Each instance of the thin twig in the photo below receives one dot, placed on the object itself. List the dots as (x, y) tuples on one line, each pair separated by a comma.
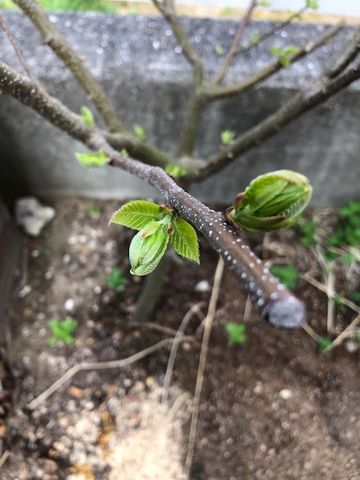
[(341, 337), (174, 348), (229, 57), (310, 331), (124, 362), (308, 98), (17, 49), (4, 457), (219, 92), (73, 61), (347, 56), (345, 301), (168, 11), (202, 363), (272, 31)]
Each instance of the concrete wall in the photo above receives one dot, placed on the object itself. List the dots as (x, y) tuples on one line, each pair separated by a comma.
[(144, 72)]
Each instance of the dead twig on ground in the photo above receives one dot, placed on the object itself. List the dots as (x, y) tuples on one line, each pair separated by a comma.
[(202, 363), (124, 362), (174, 348)]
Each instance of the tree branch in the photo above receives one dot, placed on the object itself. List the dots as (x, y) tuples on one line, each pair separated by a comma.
[(229, 57), (274, 302), (73, 61), (168, 11), (347, 56), (220, 92), (320, 91), (272, 31)]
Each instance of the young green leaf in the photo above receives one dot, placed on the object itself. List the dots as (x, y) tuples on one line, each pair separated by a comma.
[(307, 233), (324, 344), (219, 49), (236, 333), (175, 171), (285, 54), (137, 214), (116, 280), (87, 116), (184, 240), (254, 38), (271, 201), (146, 253), (312, 4), (140, 132), (62, 331), (97, 159), (288, 275), (124, 153), (227, 137)]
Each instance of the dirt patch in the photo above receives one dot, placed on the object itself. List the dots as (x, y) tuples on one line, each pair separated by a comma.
[(273, 408)]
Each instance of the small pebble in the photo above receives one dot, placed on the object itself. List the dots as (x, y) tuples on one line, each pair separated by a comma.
[(285, 394), (203, 286), (69, 305)]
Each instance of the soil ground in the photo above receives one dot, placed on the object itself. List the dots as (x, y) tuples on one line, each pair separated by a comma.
[(272, 408)]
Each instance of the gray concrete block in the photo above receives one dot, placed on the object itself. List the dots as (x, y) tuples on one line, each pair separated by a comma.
[(142, 69)]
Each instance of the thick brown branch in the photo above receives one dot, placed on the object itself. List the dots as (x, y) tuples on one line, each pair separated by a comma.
[(137, 149), (219, 92), (314, 95), (347, 56), (274, 302), (229, 57), (192, 120), (168, 11), (73, 61)]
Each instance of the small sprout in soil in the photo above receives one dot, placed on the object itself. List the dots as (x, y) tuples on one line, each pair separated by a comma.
[(236, 333), (94, 210), (356, 297), (288, 275), (324, 344), (116, 280), (62, 331), (307, 233), (46, 252), (347, 231)]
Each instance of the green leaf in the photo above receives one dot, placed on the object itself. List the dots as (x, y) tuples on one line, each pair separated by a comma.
[(146, 252), (227, 137), (288, 275), (285, 54), (356, 297), (87, 116), (140, 132), (254, 38), (312, 4), (264, 3), (324, 344), (62, 331), (116, 279), (219, 49), (97, 159), (307, 233), (236, 333), (137, 214), (124, 153), (176, 171), (184, 240)]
